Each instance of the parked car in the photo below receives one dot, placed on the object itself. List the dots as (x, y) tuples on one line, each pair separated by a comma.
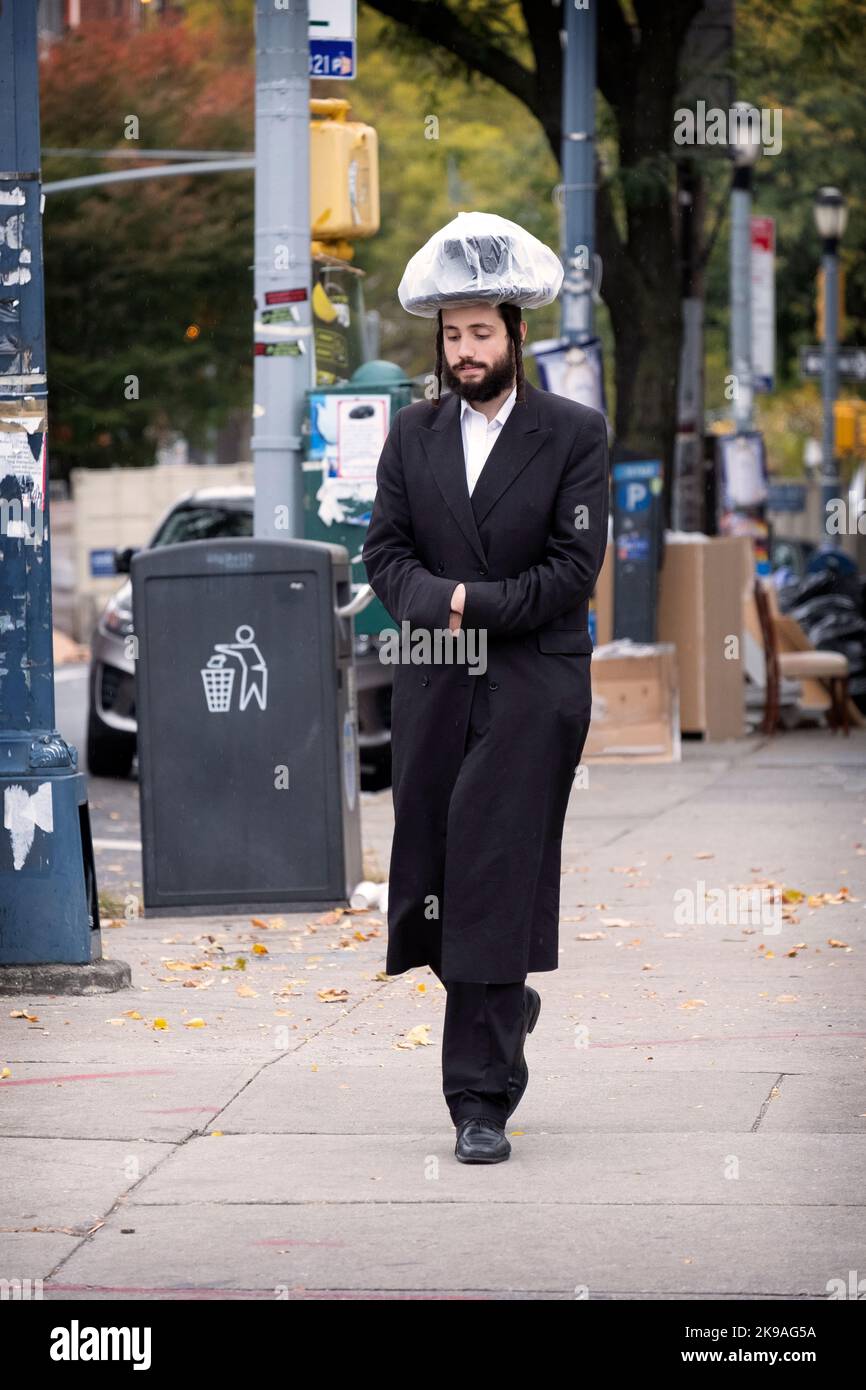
[(111, 724)]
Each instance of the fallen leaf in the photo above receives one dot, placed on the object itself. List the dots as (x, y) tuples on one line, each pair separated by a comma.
[(332, 996), (259, 949), (693, 1004), (195, 1023), (22, 1013), (188, 965), (246, 992), (416, 1037), (160, 1023)]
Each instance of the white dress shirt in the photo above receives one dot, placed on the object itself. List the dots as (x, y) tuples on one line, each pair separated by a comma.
[(480, 434)]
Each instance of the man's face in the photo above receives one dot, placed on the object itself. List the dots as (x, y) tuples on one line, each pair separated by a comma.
[(479, 360)]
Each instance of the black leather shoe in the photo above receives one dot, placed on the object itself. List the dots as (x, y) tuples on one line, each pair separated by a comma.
[(481, 1141), (519, 1077)]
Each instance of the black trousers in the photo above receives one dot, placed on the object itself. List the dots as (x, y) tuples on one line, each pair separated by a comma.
[(483, 1022)]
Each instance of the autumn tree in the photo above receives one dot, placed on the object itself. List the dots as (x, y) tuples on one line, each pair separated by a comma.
[(148, 285)]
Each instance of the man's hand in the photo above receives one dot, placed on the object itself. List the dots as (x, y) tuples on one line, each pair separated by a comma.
[(458, 598)]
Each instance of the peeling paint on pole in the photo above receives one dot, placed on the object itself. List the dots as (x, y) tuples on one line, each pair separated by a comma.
[(48, 899)]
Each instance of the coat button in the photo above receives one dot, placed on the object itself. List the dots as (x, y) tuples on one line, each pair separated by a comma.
[(425, 680), (493, 686), (440, 567), (483, 571)]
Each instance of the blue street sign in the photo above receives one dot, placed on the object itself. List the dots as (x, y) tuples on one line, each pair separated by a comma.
[(333, 26), (786, 497), (102, 563), (332, 58)]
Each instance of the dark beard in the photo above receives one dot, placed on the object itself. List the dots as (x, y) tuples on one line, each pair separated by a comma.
[(495, 380)]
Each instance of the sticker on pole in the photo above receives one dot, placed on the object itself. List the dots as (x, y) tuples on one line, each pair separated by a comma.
[(349, 781), (219, 676)]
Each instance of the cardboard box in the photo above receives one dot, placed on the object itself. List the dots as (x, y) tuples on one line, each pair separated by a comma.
[(635, 704), (701, 591), (602, 598)]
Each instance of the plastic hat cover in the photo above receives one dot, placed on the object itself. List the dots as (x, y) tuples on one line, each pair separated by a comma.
[(480, 256)]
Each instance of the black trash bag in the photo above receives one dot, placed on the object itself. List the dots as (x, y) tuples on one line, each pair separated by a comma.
[(815, 610), (809, 587)]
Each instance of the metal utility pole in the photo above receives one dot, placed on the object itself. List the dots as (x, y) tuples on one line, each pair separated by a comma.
[(578, 170), (745, 148), (283, 333), (49, 921), (829, 377), (831, 219), (686, 495)]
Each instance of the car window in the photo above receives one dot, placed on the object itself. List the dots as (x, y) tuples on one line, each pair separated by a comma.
[(203, 523)]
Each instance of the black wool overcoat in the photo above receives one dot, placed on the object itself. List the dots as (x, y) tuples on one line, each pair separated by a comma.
[(475, 861)]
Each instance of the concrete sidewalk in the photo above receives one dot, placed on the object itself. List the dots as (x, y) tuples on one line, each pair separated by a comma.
[(693, 1126)]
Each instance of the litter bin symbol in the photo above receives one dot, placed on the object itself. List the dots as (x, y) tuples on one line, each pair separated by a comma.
[(219, 679), (218, 682)]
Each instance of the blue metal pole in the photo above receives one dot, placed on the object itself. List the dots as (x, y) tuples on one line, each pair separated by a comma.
[(48, 912)]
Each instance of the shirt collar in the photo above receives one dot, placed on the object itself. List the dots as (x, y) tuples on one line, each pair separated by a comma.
[(502, 413)]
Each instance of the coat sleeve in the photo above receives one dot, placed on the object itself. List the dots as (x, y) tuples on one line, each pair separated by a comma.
[(396, 575), (575, 548)]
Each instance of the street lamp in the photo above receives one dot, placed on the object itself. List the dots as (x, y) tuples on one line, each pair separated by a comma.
[(744, 147), (831, 219)]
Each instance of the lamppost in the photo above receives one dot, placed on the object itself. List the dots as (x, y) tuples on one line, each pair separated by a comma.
[(744, 147), (831, 219)]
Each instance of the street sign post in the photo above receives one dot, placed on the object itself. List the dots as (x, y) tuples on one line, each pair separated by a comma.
[(763, 233)]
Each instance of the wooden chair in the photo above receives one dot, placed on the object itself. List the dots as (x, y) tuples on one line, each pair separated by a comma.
[(831, 667)]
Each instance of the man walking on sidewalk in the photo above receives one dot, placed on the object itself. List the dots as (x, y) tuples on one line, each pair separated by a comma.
[(491, 517)]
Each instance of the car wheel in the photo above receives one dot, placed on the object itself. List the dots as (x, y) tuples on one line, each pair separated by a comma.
[(108, 754)]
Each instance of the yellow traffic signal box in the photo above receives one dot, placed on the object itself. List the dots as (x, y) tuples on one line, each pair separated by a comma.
[(344, 178)]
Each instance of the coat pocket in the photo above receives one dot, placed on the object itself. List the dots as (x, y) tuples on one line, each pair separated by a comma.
[(565, 639)]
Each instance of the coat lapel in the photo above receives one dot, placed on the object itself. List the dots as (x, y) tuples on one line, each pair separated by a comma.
[(519, 439)]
